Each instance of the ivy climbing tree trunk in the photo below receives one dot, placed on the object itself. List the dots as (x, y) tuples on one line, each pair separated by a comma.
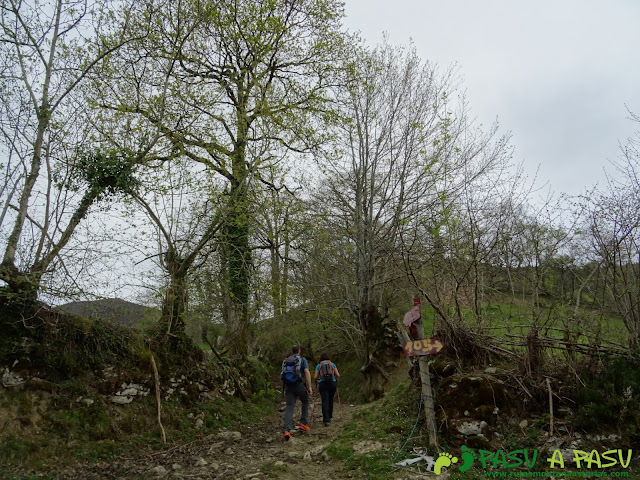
[(175, 298), (239, 258)]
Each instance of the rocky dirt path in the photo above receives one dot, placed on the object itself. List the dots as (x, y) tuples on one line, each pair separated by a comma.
[(257, 453)]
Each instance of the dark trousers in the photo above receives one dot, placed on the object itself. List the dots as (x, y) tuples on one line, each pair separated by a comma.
[(292, 393), (327, 391)]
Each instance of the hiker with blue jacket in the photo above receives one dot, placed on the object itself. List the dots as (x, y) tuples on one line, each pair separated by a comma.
[(326, 376), (296, 380)]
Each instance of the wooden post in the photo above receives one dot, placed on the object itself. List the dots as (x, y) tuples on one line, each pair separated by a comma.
[(550, 408), (157, 381), (427, 392), (425, 377)]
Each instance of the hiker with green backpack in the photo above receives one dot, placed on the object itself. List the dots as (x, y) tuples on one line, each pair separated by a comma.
[(296, 383), (326, 376)]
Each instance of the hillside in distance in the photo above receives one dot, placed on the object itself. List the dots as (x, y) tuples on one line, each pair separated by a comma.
[(113, 309)]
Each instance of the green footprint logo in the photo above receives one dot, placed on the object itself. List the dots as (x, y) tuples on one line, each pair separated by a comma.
[(444, 460), (468, 456)]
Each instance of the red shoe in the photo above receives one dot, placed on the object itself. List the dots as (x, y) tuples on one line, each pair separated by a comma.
[(287, 436), (304, 427)]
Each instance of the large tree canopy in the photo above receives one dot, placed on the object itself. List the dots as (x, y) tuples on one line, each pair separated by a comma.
[(226, 83)]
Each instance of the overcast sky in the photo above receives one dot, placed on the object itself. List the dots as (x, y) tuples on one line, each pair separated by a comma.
[(558, 74)]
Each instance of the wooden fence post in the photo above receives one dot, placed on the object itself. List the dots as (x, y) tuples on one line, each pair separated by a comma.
[(425, 380), (427, 392)]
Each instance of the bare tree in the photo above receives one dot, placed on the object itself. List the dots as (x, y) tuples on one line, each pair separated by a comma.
[(279, 225), (615, 230), (47, 51), (404, 149)]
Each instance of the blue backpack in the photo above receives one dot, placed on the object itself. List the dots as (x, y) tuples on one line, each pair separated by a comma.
[(290, 374)]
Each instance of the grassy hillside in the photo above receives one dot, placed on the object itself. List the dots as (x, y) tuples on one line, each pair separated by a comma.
[(113, 309)]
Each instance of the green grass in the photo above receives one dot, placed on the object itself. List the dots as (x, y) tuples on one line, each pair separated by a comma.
[(384, 421), (500, 318), (350, 380), (272, 468), (73, 432), (611, 399), (51, 429)]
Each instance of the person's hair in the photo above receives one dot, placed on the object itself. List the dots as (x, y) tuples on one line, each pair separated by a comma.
[(324, 356), (295, 349)]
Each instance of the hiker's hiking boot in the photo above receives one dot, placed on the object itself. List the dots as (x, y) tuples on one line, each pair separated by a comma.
[(304, 427), (287, 436)]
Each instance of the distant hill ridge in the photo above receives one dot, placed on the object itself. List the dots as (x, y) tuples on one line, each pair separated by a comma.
[(113, 309)]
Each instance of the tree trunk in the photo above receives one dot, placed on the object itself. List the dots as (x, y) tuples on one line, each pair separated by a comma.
[(376, 345), (43, 122), (375, 378), (22, 288), (284, 281), (41, 265), (175, 299), (239, 254), (44, 117), (275, 276)]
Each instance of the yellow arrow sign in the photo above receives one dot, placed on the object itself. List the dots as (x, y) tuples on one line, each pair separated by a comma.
[(428, 346)]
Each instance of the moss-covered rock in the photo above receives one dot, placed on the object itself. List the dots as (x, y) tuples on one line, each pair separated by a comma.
[(468, 405)]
